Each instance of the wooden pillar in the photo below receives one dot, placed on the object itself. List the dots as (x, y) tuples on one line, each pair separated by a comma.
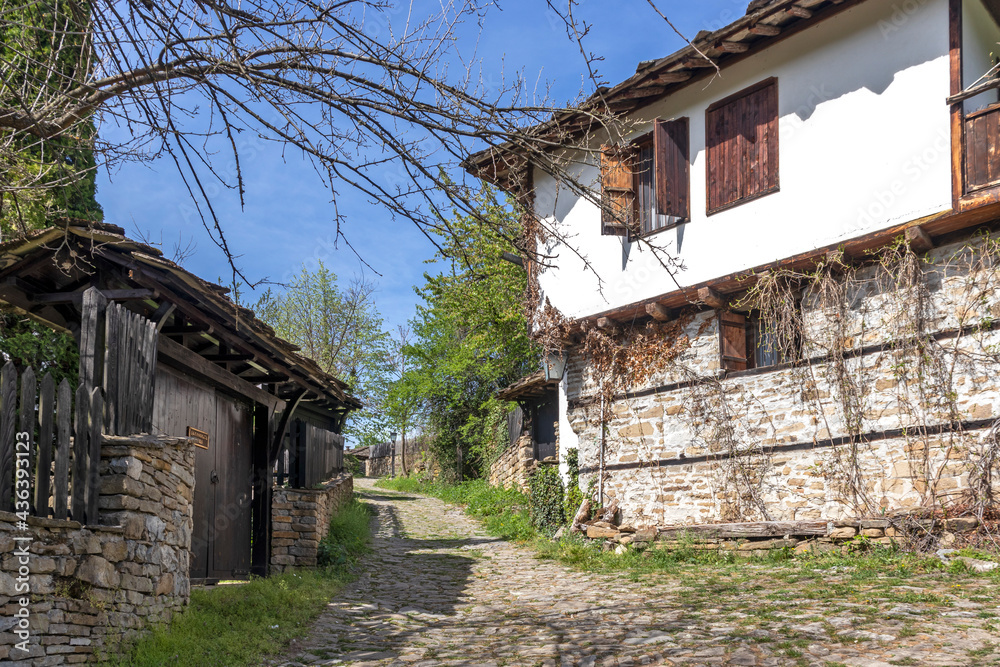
[(260, 552), (92, 324)]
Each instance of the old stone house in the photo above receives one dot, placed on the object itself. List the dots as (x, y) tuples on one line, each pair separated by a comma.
[(778, 298)]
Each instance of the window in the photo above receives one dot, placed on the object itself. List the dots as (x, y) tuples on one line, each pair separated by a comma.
[(742, 145), (645, 185), (746, 343)]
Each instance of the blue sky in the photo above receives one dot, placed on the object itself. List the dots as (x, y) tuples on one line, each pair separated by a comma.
[(287, 219)]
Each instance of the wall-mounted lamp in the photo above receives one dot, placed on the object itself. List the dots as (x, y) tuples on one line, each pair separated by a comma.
[(554, 365)]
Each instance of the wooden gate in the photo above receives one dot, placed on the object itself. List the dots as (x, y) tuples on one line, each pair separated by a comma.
[(220, 539)]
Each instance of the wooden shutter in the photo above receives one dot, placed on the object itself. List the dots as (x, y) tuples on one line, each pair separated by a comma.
[(742, 146), (617, 192), (733, 340), (673, 173)]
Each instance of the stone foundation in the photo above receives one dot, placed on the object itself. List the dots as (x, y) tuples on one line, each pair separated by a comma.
[(696, 444), (515, 465), (93, 586), (300, 519)]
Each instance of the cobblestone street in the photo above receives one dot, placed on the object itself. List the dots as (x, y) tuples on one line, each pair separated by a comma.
[(440, 591)]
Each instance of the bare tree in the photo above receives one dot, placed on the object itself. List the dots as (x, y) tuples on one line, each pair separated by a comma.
[(384, 111)]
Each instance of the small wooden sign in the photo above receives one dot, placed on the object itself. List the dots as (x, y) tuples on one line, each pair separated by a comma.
[(200, 437)]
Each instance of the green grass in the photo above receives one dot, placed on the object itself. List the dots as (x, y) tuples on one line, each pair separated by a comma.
[(240, 624)]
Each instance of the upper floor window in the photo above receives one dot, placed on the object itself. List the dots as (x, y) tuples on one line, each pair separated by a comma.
[(742, 146), (645, 185)]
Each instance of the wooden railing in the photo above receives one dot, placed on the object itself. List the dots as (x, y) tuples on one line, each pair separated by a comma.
[(50, 447), (982, 148)]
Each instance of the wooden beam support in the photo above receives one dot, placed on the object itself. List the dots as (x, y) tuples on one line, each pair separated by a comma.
[(109, 294), (265, 379), (229, 358), (174, 354), (711, 298), (182, 329), (919, 240), (657, 312), (764, 30), (732, 47), (606, 323), (666, 78)]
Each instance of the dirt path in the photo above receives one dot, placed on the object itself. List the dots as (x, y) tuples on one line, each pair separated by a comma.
[(440, 591)]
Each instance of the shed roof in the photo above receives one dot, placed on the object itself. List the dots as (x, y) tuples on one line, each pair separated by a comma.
[(532, 386), (47, 270)]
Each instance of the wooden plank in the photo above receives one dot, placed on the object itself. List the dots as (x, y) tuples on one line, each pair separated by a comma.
[(92, 341), (748, 530), (733, 341), (992, 125), (149, 383), (28, 419), (111, 295), (174, 353), (112, 368), (8, 415), (60, 491), (81, 452), (43, 471), (96, 401)]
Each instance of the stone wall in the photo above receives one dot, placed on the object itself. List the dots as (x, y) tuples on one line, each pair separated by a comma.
[(696, 444), (381, 467), (92, 586), (515, 465), (300, 519)]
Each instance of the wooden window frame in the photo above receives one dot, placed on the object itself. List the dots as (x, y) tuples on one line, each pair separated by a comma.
[(773, 163), (749, 343)]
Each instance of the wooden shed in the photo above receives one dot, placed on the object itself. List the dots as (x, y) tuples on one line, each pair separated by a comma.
[(175, 355)]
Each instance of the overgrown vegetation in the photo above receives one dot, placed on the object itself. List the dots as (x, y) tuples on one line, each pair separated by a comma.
[(240, 624), (574, 496), (545, 496), (470, 340)]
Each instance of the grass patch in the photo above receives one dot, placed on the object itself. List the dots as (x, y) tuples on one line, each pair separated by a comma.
[(241, 624)]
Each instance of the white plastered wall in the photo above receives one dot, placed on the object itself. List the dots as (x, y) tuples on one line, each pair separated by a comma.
[(864, 144)]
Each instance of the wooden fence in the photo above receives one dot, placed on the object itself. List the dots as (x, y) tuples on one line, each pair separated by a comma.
[(309, 456), (130, 371), (50, 447)]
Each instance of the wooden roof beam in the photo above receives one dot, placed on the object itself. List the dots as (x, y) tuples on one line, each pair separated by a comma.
[(919, 240), (711, 298), (658, 312)]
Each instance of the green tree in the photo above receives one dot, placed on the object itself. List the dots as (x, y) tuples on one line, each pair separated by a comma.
[(471, 337), (44, 50), (341, 330)]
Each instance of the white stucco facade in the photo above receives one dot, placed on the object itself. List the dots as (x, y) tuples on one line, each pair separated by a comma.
[(864, 143)]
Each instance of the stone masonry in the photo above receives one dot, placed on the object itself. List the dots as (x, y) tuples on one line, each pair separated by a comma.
[(92, 586), (300, 519), (670, 445), (513, 467)]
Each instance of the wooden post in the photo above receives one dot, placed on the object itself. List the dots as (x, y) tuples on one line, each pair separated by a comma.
[(60, 489), (46, 410), (29, 397), (8, 412), (92, 325)]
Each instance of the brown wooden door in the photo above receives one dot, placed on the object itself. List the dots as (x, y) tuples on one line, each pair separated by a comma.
[(220, 538), (230, 548)]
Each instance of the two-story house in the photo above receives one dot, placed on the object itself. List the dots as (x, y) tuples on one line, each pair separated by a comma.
[(780, 301)]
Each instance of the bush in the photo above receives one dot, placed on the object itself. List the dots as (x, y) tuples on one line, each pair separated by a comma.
[(574, 496), (546, 498), (348, 538)]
